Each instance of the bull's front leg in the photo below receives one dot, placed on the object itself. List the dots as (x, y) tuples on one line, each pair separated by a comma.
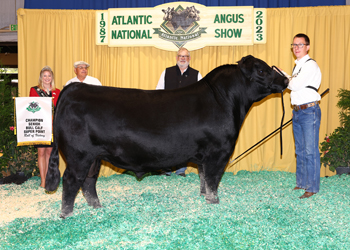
[(212, 176), (89, 185), (212, 195), (207, 188)]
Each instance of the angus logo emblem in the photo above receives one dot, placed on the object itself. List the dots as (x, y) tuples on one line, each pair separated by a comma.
[(33, 107), (180, 25)]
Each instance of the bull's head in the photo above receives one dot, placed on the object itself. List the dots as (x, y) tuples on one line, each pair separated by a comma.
[(258, 71)]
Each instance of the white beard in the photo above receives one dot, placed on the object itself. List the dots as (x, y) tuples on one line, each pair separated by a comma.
[(182, 65)]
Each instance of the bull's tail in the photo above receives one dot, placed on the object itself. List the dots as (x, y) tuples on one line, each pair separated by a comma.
[(53, 173)]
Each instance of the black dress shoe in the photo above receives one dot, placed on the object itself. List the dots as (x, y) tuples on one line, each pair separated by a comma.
[(182, 174), (307, 195)]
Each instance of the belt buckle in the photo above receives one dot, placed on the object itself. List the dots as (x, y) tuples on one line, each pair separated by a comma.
[(311, 104), (296, 108)]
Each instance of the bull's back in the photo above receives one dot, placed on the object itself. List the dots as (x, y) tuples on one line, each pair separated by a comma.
[(134, 107)]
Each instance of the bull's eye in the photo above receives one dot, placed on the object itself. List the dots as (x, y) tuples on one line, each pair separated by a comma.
[(260, 72)]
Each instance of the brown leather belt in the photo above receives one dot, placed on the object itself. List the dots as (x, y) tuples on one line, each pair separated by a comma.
[(304, 106)]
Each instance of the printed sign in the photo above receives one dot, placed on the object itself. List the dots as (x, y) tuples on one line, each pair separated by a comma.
[(33, 120), (260, 26), (174, 25)]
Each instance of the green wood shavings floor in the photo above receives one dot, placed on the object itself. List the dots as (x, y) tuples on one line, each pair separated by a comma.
[(257, 210)]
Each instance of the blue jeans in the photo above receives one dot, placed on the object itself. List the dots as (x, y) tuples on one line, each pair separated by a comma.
[(306, 127), (179, 171)]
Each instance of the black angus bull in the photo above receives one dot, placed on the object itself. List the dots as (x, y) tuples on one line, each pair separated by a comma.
[(147, 130)]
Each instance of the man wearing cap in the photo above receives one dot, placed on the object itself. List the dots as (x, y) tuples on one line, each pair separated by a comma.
[(81, 70)]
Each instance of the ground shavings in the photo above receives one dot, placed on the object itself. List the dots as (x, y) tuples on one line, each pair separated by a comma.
[(257, 210)]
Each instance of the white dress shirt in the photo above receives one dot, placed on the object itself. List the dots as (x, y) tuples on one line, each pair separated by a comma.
[(88, 80), (305, 73)]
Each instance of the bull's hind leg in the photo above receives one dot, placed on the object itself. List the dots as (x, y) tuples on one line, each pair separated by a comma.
[(70, 189), (89, 185), (202, 181), (73, 179)]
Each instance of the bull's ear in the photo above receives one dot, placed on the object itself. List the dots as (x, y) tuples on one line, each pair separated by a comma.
[(246, 65)]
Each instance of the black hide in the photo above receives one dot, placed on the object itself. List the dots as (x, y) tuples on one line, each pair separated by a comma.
[(147, 130)]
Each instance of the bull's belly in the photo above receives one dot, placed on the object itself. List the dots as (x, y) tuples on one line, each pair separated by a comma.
[(145, 164)]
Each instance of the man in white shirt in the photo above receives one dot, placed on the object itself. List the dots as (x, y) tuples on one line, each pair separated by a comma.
[(81, 70), (304, 83)]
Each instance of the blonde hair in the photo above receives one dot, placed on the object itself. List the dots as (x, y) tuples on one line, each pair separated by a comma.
[(40, 81)]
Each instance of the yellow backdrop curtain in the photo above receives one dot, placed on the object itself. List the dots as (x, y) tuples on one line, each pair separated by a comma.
[(58, 38)]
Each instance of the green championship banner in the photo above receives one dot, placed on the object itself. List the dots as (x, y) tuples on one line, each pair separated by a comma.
[(174, 25)]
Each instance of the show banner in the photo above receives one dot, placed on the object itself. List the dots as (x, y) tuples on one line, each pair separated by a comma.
[(33, 120), (174, 25)]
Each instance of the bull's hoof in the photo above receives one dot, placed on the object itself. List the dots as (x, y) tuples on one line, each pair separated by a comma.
[(66, 211), (202, 194), (64, 215), (50, 190), (212, 200), (97, 205)]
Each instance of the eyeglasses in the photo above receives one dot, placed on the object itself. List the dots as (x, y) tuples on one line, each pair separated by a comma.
[(300, 45), (180, 56), (81, 67)]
